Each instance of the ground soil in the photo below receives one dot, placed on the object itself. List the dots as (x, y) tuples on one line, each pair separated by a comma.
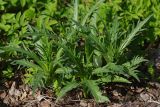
[(121, 95)]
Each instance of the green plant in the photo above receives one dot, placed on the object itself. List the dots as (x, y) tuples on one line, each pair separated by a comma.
[(85, 51), (86, 60), (41, 63), (8, 73)]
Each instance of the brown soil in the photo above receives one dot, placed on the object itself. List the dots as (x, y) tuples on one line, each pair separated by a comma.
[(14, 95)]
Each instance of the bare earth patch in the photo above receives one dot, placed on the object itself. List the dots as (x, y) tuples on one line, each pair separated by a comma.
[(12, 95)]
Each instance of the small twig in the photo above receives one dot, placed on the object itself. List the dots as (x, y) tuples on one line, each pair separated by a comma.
[(49, 97), (38, 100), (75, 100), (151, 101)]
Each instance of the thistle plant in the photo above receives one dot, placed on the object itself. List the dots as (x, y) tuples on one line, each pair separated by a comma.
[(86, 65), (40, 61), (83, 56)]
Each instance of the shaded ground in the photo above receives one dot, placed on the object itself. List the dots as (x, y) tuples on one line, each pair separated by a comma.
[(148, 95)]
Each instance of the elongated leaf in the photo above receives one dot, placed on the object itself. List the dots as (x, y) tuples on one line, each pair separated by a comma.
[(101, 70), (29, 53), (130, 37), (22, 19), (4, 27), (7, 16), (134, 73), (59, 54), (110, 68), (114, 67), (64, 70), (120, 79), (108, 79), (96, 40), (70, 54), (68, 87), (27, 64), (93, 88), (23, 2), (37, 80), (91, 11), (75, 18), (134, 62)]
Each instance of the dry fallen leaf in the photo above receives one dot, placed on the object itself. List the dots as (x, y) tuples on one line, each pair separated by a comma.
[(44, 103), (24, 94), (6, 100), (3, 95), (12, 89), (17, 93), (83, 103), (139, 90), (145, 97), (116, 105), (115, 93), (12, 99)]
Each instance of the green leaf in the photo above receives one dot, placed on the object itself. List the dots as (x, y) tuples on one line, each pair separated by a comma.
[(29, 53), (68, 87), (120, 79), (134, 73), (93, 88), (75, 18), (59, 54), (63, 70), (133, 33), (8, 16), (36, 80), (115, 68), (5, 27), (117, 79), (27, 64), (8, 73), (23, 2), (22, 20), (18, 16), (30, 13), (91, 11), (97, 42), (97, 60), (53, 22), (51, 8), (70, 54), (3, 2), (151, 71), (101, 70), (40, 21), (134, 63), (14, 2)]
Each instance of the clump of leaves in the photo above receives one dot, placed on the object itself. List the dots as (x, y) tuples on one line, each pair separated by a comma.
[(40, 62), (83, 57), (86, 63)]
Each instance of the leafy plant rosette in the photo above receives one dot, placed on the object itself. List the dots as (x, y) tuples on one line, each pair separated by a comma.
[(96, 59), (85, 57)]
